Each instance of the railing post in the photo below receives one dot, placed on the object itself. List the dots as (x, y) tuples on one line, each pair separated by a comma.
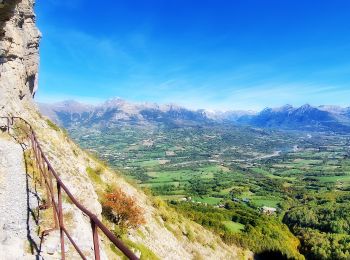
[(95, 239), (44, 173), (47, 187), (53, 203), (32, 153), (39, 165), (60, 219)]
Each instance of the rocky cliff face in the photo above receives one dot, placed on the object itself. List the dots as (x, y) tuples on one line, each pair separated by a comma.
[(19, 55)]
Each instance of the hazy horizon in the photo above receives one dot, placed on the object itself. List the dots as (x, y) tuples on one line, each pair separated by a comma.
[(101, 102)]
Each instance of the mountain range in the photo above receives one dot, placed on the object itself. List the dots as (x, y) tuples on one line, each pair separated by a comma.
[(306, 117), (118, 111)]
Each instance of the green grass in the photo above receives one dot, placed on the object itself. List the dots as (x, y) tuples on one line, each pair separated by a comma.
[(292, 172), (260, 201), (118, 252), (146, 253), (184, 175), (209, 200), (260, 171), (94, 175), (269, 202), (344, 178), (305, 162), (271, 175), (52, 125), (225, 191), (234, 227), (149, 163), (170, 176), (172, 197)]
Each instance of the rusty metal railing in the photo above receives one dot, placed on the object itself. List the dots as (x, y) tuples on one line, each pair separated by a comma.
[(50, 176)]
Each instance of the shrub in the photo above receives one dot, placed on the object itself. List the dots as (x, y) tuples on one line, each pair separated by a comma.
[(122, 209)]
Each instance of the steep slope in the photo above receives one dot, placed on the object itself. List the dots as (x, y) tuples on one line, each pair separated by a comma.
[(165, 234)]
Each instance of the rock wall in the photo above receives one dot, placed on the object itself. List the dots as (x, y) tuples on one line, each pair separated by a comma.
[(19, 55)]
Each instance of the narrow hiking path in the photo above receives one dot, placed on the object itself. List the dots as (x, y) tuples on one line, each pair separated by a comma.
[(14, 217)]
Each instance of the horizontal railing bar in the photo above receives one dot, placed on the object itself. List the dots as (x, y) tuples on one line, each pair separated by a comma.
[(73, 243)]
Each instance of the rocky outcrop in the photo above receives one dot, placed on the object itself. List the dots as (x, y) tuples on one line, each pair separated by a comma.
[(19, 55)]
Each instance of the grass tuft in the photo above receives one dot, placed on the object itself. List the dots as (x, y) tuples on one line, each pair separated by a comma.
[(52, 125)]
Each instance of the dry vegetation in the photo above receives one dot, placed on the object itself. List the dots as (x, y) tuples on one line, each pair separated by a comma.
[(122, 210)]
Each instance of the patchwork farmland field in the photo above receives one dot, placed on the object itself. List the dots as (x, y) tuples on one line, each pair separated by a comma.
[(222, 177)]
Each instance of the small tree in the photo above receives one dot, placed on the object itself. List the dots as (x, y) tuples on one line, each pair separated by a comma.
[(122, 209)]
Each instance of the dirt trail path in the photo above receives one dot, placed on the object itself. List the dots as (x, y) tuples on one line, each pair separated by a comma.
[(13, 201)]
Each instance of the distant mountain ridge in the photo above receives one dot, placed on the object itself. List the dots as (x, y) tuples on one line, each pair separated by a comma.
[(306, 117), (118, 111)]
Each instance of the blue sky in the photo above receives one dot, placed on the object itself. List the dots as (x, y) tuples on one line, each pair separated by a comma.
[(218, 54)]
